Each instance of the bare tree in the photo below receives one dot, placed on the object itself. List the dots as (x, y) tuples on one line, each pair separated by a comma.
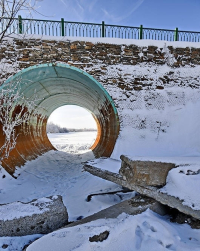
[(15, 109), (54, 128), (9, 9)]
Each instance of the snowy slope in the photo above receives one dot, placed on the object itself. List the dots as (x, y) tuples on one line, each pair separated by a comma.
[(144, 232)]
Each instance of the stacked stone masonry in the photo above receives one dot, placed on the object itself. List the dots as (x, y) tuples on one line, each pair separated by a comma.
[(85, 55)]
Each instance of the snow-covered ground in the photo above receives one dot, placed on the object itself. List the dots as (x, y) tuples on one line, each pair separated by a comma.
[(61, 173), (73, 141), (145, 232)]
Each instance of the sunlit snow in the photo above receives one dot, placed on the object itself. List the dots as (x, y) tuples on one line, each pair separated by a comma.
[(59, 172)]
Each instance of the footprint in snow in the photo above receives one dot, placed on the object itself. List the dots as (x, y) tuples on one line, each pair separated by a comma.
[(139, 237), (147, 225)]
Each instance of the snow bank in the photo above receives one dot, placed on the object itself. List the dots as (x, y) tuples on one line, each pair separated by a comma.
[(184, 183), (146, 231), (143, 42)]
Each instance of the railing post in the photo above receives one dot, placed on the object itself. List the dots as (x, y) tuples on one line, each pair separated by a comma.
[(176, 35), (103, 29), (62, 27), (141, 31), (19, 24)]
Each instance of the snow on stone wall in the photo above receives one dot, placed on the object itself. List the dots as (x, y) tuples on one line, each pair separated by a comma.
[(160, 119)]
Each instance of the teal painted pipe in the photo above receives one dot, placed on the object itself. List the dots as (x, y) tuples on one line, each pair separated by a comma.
[(56, 85)]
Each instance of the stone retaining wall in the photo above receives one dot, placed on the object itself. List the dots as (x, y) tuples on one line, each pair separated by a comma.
[(82, 54), (147, 84)]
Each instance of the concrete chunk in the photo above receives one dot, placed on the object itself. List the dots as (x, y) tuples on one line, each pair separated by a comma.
[(133, 206), (40, 216), (149, 191), (148, 173)]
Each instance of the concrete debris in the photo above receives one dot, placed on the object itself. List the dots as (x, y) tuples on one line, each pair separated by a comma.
[(40, 216), (150, 191), (145, 173), (133, 206)]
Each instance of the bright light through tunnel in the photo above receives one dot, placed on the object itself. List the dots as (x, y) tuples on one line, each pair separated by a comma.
[(57, 85), (72, 129)]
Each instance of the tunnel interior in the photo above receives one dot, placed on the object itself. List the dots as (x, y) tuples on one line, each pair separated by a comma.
[(56, 85)]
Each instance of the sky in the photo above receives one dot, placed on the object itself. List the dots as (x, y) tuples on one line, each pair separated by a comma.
[(165, 14), (72, 116)]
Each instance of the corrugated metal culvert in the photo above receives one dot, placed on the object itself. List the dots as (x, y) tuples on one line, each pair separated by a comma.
[(56, 85)]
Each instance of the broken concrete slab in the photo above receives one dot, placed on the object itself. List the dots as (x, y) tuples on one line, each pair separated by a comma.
[(149, 191), (145, 173), (133, 206), (39, 216)]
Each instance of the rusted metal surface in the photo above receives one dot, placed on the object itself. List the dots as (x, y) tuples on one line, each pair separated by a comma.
[(57, 85), (31, 142)]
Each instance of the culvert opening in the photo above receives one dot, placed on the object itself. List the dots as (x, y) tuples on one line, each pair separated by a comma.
[(57, 85), (72, 129)]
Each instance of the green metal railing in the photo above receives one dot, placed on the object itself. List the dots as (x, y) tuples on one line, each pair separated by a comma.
[(77, 29)]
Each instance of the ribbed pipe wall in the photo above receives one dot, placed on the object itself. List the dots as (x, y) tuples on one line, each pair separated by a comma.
[(56, 85)]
